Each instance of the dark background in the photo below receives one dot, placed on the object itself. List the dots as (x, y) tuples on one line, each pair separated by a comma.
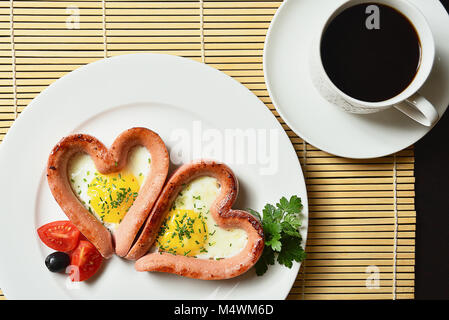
[(432, 207)]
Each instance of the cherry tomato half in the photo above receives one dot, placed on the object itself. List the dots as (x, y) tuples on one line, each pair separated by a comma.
[(59, 235), (85, 262)]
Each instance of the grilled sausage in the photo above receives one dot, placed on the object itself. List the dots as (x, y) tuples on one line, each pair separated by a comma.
[(108, 161), (223, 215)]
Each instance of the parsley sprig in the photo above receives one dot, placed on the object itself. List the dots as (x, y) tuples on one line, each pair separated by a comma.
[(281, 225)]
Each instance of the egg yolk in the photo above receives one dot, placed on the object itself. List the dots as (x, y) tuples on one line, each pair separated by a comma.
[(183, 232), (112, 195)]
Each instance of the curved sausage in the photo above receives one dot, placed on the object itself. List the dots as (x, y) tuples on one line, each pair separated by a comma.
[(108, 161), (222, 213)]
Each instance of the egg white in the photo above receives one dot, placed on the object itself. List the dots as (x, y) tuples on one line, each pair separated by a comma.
[(198, 196), (81, 170)]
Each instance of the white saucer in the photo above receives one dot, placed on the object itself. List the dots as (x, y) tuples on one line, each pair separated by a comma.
[(313, 117)]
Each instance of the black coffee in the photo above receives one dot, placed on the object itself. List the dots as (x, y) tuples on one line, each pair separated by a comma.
[(367, 63)]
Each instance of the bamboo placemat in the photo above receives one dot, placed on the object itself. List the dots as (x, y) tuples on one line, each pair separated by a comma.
[(361, 212)]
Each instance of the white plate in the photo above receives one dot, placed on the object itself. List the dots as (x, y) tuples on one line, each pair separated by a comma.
[(322, 124), (166, 94)]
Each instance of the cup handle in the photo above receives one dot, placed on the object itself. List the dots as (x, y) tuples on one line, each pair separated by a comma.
[(419, 109)]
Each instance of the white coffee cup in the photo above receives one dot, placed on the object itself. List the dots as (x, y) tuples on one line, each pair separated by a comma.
[(409, 101)]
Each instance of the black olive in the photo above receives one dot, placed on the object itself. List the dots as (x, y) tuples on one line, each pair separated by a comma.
[(57, 261)]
